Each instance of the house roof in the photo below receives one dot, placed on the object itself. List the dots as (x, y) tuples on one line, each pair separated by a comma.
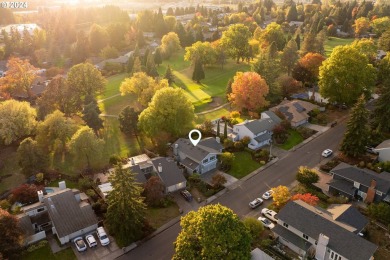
[(199, 152), (139, 174), (262, 138), (344, 186), (291, 237), (66, 214), (295, 110), (187, 162), (271, 115), (349, 215), (259, 125), (25, 224), (37, 88), (363, 176), (313, 222), (384, 145), (171, 174), (258, 254)]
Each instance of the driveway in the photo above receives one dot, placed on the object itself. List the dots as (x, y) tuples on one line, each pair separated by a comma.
[(184, 205), (317, 128), (109, 252), (208, 176)]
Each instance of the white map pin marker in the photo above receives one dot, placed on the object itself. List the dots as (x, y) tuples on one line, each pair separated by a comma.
[(195, 141)]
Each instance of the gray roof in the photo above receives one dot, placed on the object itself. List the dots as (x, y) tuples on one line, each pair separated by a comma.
[(210, 144), (385, 144), (291, 237), (258, 254), (199, 152), (273, 116), (171, 174), (25, 224), (139, 175), (363, 176), (66, 214), (344, 186), (187, 162), (349, 215), (259, 125), (312, 222), (264, 137)]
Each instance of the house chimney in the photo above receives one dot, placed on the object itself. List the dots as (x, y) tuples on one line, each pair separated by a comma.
[(371, 192), (62, 185), (373, 184), (176, 149), (218, 139), (321, 247), (132, 161), (159, 168), (40, 195)]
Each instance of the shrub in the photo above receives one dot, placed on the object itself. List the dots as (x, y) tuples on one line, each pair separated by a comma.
[(362, 164), (239, 145), (265, 243), (337, 200), (233, 121), (39, 177), (90, 193), (85, 184), (305, 132), (115, 159), (5, 204), (218, 180), (306, 176), (209, 192), (246, 140), (227, 143), (254, 227), (235, 114), (194, 178), (37, 246)]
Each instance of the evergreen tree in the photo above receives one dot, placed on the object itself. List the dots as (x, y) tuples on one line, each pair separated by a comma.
[(229, 87), (356, 136), (298, 41), (136, 51), (126, 209), (137, 67), (157, 56), (169, 75), (128, 119), (218, 129), (91, 113), (151, 66), (382, 109), (225, 130), (161, 26), (198, 73), (199, 35), (292, 14), (130, 64), (289, 56), (272, 51)]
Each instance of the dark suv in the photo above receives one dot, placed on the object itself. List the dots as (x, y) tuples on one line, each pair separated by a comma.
[(186, 194)]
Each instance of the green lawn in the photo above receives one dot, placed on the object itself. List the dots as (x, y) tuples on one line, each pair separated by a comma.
[(332, 42), (243, 165), (112, 87), (160, 216), (213, 115), (176, 62), (294, 138), (46, 253), (10, 170)]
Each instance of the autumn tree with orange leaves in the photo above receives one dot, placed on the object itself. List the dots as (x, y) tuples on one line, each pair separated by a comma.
[(19, 78), (310, 63), (249, 90), (307, 197)]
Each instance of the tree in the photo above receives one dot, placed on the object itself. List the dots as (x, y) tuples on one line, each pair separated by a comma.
[(126, 209), (381, 113), (248, 91), (218, 180), (128, 119), (31, 157), (380, 25), (166, 115), (207, 127), (98, 38), (157, 56), (151, 66), (229, 87), (79, 50), (137, 66), (142, 86), (202, 51), (361, 25), (289, 56), (307, 176), (19, 78), (12, 235), (309, 43), (273, 33), (85, 79), (307, 197), (25, 194), (209, 226), (292, 14), (154, 191), (281, 195), (312, 63), (198, 73), (109, 52), (85, 145), (236, 41), (218, 128), (356, 136), (91, 114), (17, 120), (380, 211), (226, 159), (170, 43), (225, 130), (254, 227), (345, 75), (169, 75)]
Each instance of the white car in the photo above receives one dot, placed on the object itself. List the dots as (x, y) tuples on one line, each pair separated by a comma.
[(266, 222), (255, 203), (268, 194), (102, 235), (80, 244), (91, 241), (270, 214), (326, 153)]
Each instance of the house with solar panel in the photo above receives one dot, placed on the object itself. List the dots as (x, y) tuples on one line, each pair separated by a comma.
[(295, 111)]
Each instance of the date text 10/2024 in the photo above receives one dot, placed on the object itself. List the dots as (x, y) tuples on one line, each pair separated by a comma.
[(14, 5)]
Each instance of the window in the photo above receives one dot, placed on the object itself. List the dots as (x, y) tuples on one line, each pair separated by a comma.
[(335, 256), (212, 158), (305, 237), (285, 225), (205, 160), (378, 193), (40, 209)]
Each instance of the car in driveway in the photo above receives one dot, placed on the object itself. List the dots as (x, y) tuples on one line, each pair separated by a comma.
[(268, 195), (326, 153), (270, 214), (255, 203), (186, 194), (102, 236), (91, 241), (266, 222), (80, 244)]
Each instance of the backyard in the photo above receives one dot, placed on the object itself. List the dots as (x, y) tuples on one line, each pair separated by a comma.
[(332, 42), (243, 165), (46, 253)]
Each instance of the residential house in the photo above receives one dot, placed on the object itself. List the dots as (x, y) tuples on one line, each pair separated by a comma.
[(383, 150), (353, 182), (200, 158), (314, 94), (36, 90), (169, 173), (20, 28), (259, 130), (314, 232), (295, 111), (258, 254), (63, 211)]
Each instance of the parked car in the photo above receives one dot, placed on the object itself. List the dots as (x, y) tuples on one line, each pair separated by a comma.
[(371, 150), (102, 235), (91, 241), (268, 195), (326, 153), (186, 194), (270, 214), (80, 244), (266, 223), (255, 203)]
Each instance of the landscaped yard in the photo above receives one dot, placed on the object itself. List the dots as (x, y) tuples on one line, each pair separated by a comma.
[(294, 138), (46, 253), (332, 42), (10, 175), (243, 165), (160, 216)]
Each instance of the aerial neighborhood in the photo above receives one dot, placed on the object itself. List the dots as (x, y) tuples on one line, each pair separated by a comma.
[(223, 129)]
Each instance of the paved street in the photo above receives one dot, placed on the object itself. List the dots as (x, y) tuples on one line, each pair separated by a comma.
[(281, 173)]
